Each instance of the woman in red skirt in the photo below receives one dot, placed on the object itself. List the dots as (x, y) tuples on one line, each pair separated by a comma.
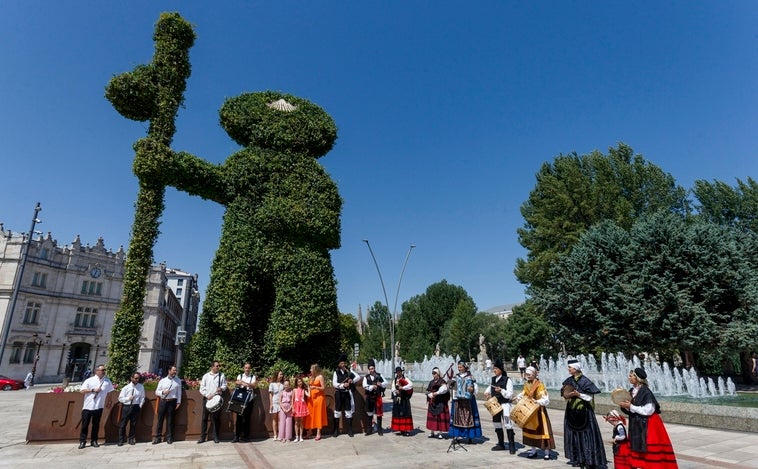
[(402, 419), (438, 412), (649, 441)]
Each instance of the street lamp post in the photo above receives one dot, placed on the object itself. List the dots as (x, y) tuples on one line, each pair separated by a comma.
[(393, 320), (17, 283), (38, 341)]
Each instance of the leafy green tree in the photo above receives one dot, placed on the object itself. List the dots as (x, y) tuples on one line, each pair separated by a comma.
[(424, 318), (729, 206), (527, 332), (461, 334), (575, 192), (349, 335), (375, 342), (494, 330)]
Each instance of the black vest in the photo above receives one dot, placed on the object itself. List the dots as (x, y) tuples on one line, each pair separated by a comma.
[(344, 375), (500, 381)]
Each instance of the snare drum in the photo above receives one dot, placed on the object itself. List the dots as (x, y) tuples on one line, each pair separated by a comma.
[(214, 403), (523, 411), (493, 406)]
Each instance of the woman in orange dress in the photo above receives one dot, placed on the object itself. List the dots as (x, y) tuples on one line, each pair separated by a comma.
[(316, 418)]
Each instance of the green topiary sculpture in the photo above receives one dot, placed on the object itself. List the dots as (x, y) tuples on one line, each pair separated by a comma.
[(272, 293)]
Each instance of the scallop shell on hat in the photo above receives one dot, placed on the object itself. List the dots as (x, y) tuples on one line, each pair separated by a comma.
[(282, 105)]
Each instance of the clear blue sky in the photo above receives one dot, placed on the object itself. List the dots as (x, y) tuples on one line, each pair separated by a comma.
[(446, 111)]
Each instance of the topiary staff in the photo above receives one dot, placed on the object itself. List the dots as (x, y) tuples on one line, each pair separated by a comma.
[(151, 92)]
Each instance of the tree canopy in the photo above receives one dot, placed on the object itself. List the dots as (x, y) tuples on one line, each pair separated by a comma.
[(668, 284), (575, 192)]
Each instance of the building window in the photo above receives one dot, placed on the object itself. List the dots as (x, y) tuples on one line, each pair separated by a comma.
[(31, 315), (178, 292), (180, 282), (85, 317), (29, 353), (39, 280), (92, 288), (44, 253), (18, 347)]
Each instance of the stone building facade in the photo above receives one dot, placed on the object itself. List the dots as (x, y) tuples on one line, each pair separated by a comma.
[(65, 306)]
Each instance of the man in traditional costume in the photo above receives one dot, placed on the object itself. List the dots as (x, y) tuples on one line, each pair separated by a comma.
[(501, 388), (343, 380), (437, 412), (582, 440), (374, 385), (464, 420), (402, 417), (537, 431)]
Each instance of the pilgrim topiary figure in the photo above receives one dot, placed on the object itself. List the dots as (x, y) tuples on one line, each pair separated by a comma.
[(272, 293)]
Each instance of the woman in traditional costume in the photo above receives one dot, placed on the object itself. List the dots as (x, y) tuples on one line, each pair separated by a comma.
[(582, 440), (464, 421), (437, 413), (650, 446), (537, 431), (402, 418)]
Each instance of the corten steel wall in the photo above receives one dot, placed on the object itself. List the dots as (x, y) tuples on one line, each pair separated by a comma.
[(57, 417)]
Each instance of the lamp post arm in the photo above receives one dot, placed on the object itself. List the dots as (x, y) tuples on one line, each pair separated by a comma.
[(386, 302), (399, 282)]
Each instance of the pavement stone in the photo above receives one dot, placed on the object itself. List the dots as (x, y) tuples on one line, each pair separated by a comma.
[(696, 447)]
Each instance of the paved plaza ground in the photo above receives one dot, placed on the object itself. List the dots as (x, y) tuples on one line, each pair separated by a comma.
[(696, 447)]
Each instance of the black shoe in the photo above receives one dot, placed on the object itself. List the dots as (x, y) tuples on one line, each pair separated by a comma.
[(236, 440), (156, 441), (131, 441), (498, 447), (169, 441), (120, 443), (82, 445), (215, 440), (201, 440), (95, 444)]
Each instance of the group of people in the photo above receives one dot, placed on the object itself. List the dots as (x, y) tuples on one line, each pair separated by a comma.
[(644, 444), (451, 409)]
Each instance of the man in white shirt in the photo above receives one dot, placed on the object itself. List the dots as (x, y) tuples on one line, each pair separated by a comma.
[(131, 397), (28, 380), (94, 389), (212, 384), (169, 392), (247, 381)]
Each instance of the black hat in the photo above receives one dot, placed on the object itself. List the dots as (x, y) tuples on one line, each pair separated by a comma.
[(371, 362), (397, 368), (640, 373), (499, 364), (343, 358)]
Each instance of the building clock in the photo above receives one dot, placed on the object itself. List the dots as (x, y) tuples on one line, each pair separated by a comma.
[(96, 272)]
